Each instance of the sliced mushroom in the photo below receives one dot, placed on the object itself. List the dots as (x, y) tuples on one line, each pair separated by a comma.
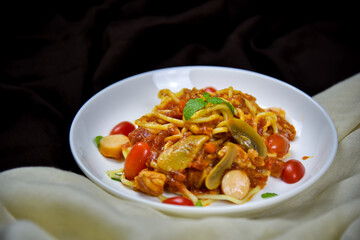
[(213, 179), (178, 156), (246, 136)]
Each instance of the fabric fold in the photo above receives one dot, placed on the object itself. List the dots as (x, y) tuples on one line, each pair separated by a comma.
[(342, 103)]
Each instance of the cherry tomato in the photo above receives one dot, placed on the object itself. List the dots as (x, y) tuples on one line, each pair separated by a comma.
[(123, 128), (293, 171), (136, 160), (278, 144), (179, 201), (209, 89)]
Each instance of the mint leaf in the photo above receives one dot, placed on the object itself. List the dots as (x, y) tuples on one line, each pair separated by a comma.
[(196, 104), (206, 96), (268, 195), (215, 100), (192, 106)]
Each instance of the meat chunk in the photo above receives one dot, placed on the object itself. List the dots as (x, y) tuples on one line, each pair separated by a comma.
[(255, 158), (150, 182)]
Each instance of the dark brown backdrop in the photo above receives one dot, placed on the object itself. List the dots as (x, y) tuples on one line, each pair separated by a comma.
[(57, 54)]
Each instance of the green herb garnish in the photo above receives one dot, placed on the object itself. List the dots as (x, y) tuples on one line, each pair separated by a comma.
[(268, 195), (198, 204), (116, 179), (97, 141), (194, 105)]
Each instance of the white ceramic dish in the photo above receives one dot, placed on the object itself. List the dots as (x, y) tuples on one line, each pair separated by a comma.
[(135, 96)]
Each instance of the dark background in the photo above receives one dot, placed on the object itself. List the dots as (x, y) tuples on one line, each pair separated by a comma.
[(54, 55)]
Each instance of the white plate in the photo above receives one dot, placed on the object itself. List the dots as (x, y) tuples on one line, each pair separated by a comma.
[(135, 96)]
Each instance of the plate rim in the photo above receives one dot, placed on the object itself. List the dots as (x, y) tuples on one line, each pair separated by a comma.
[(218, 210)]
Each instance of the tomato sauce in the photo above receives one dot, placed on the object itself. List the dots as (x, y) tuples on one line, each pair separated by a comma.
[(193, 176), (155, 141), (256, 176), (275, 166)]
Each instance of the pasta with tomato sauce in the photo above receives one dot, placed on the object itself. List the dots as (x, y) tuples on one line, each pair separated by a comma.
[(207, 146)]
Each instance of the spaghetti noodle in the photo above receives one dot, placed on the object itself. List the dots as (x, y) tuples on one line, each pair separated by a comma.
[(196, 138)]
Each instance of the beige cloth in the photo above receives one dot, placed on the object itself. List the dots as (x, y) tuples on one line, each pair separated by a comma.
[(47, 203)]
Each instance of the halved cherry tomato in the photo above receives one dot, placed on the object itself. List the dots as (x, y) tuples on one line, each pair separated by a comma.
[(209, 89), (278, 144), (136, 160), (179, 201), (293, 171), (123, 128)]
